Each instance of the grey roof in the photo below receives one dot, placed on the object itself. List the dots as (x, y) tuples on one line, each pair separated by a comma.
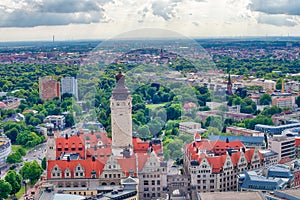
[(67, 197), (231, 196), (243, 139)]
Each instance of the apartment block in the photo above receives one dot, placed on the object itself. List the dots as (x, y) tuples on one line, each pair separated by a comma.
[(284, 146), (69, 85), (49, 88)]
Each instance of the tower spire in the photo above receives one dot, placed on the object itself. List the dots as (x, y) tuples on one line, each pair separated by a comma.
[(229, 85)]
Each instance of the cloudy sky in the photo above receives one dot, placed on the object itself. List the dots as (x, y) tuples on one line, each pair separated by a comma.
[(103, 19)]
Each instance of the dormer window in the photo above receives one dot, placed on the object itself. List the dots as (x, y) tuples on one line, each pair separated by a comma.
[(93, 174), (56, 172), (79, 172), (67, 173)]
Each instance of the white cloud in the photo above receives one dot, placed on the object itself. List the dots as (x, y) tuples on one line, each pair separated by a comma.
[(35, 19)]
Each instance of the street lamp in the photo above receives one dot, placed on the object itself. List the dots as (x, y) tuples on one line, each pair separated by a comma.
[(25, 185)]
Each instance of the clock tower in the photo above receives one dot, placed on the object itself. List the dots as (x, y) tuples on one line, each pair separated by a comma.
[(121, 120)]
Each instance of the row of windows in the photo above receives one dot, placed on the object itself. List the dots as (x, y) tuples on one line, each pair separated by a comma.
[(151, 176), (152, 189), (67, 149), (112, 175), (146, 182), (261, 187), (67, 174), (75, 185), (151, 195), (80, 193)]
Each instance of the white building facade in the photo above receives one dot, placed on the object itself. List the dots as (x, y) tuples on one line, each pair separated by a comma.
[(69, 85)]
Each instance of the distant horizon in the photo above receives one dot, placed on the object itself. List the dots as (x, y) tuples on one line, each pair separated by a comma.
[(159, 38), (39, 20)]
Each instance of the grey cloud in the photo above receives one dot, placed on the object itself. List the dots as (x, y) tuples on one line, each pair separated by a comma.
[(288, 7), (21, 18), (276, 20), (62, 6), (164, 9), (196, 23), (53, 12)]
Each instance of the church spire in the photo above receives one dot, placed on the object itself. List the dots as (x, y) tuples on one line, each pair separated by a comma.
[(229, 85)]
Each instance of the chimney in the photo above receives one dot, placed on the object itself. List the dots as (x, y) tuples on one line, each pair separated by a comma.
[(150, 144), (93, 158), (68, 159), (67, 136), (243, 149)]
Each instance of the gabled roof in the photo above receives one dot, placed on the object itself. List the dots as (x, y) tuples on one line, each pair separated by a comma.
[(249, 154), (101, 154), (97, 138), (235, 158), (216, 162), (71, 165), (140, 146), (195, 152), (231, 144)]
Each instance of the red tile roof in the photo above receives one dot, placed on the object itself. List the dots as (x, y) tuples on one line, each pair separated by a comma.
[(297, 142), (98, 138), (73, 144), (3, 105), (101, 154), (88, 166), (197, 136), (189, 105), (284, 160), (128, 164), (140, 146), (217, 162)]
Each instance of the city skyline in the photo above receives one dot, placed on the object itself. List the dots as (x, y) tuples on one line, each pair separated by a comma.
[(105, 19)]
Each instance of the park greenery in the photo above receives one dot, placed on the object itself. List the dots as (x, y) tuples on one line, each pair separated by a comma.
[(12, 182), (15, 180), (31, 171), (5, 189), (97, 81)]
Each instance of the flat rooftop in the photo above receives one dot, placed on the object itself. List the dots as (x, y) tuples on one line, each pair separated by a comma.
[(295, 193), (231, 196)]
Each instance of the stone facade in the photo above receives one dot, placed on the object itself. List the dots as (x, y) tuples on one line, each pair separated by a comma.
[(211, 173), (121, 120), (153, 179)]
